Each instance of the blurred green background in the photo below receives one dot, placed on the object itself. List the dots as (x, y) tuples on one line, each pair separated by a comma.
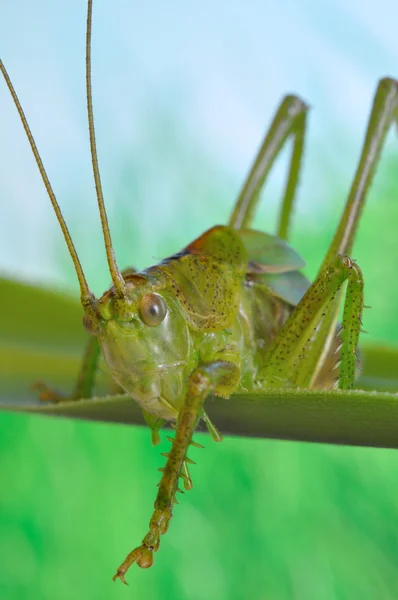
[(182, 95)]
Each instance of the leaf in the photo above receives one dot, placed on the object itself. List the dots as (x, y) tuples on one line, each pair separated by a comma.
[(34, 346)]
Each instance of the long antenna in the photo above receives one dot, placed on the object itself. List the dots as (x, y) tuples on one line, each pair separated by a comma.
[(86, 296), (116, 275)]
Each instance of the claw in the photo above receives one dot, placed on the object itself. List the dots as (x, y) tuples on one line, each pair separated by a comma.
[(46, 394), (120, 575), (142, 555)]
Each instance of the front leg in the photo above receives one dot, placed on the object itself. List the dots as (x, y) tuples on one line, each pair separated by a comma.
[(220, 378)]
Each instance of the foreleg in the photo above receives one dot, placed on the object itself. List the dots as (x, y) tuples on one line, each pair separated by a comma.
[(218, 377)]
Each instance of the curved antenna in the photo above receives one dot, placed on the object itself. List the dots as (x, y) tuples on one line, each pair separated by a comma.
[(116, 275), (86, 296)]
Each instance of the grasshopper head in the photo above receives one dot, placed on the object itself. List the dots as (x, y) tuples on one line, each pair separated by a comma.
[(145, 342)]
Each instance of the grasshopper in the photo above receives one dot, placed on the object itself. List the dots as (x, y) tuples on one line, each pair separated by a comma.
[(230, 312)]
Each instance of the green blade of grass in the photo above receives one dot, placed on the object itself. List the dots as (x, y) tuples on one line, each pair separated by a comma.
[(354, 417)]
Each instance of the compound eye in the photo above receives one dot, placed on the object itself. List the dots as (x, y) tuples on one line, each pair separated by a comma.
[(153, 309)]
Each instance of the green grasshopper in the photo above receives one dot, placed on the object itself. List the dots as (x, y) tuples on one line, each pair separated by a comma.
[(230, 312)]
